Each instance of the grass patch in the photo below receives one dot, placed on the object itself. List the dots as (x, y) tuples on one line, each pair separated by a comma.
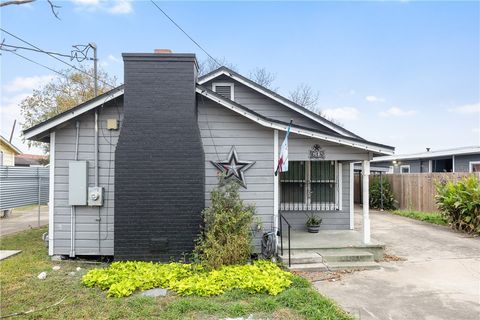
[(431, 217), (22, 291)]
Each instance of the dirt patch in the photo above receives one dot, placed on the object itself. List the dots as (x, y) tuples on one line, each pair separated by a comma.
[(331, 276)]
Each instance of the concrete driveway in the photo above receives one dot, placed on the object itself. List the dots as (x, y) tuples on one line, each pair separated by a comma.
[(439, 280), (23, 219)]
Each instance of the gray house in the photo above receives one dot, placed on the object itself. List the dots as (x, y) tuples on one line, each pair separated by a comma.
[(132, 169), (464, 159)]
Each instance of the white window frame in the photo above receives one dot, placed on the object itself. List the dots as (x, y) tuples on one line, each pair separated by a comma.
[(404, 166), (307, 204), (225, 84), (470, 165)]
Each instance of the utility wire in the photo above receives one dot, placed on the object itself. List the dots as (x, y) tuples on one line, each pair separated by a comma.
[(37, 63), (180, 28), (53, 56), (36, 50), (46, 67)]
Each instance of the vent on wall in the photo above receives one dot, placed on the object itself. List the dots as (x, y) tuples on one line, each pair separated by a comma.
[(224, 89)]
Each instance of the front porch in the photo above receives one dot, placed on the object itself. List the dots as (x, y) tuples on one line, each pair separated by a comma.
[(329, 249)]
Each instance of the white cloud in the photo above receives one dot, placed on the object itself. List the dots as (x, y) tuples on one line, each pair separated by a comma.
[(112, 58), (110, 6), (374, 99), (397, 112), (87, 2), (467, 109), (121, 7), (476, 130), (342, 113), (27, 83)]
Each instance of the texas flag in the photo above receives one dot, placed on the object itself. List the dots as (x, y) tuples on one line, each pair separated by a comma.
[(282, 165)]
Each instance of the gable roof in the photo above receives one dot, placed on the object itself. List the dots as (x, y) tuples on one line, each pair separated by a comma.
[(431, 154), (276, 97), (38, 131), (283, 126), (10, 145)]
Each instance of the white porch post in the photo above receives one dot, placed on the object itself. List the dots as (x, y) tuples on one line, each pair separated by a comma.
[(275, 182), (366, 203), (352, 203)]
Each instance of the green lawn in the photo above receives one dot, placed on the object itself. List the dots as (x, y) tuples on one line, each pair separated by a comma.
[(22, 291), (431, 217)]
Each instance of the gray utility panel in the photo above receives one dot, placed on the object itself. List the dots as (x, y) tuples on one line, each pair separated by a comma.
[(77, 183)]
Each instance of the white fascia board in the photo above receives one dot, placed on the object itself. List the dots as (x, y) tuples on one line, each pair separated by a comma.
[(271, 96), (430, 154), (72, 114), (303, 132)]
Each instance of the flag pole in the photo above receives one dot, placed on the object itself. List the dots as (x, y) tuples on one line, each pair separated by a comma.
[(286, 137)]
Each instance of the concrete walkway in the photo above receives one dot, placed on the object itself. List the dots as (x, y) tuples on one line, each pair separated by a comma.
[(23, 219), (439, 280)]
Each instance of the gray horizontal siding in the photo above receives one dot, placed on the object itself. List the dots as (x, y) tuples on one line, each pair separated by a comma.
[(462, 163), (266, 106), (220, 130), (91, 236)]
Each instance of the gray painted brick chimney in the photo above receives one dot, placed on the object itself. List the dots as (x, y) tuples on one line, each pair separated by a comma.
[(159, 159)]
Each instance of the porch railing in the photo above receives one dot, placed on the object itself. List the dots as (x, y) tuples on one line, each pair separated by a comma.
[(282, 218)]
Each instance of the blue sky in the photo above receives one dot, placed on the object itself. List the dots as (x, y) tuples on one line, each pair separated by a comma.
[(402, 73)]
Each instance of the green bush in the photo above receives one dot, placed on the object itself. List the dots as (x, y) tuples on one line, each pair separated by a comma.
[(123, 278), (226, 236), (459, 202), (389, 202)]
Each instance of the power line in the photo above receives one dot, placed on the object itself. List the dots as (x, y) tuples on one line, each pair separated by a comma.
[(46, 67), (36, 50), (56, 58), (37, 63), (180, 28)]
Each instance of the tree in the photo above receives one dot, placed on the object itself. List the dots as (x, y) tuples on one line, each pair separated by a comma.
[(60, 95), (208, 65), (263, 78), (53, 6), (305, 96)]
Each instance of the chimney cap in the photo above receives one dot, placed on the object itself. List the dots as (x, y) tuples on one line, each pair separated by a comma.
[(162, 51)]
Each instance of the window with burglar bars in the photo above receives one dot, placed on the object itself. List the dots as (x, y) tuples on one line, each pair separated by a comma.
[(309, 186)]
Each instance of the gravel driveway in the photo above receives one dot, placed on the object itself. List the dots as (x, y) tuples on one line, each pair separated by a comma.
[(440, 278)]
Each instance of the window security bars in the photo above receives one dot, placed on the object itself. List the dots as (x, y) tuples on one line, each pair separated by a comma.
[(309, 186)]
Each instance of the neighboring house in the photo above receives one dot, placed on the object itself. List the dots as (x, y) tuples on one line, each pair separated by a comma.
[(7, 152), (465, 159), (164, 137), (30, 160)]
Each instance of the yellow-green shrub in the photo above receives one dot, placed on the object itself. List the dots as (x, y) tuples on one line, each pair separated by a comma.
[(123, 278)]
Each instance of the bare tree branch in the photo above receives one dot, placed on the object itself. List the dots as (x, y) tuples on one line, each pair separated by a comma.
[(17, 2), (53, 6), (263, 78), (207, 66), (305, 96)]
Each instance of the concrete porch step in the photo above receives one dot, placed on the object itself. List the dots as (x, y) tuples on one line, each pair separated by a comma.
[(308, 267), (346, 256), (352, 265), (301, 257)]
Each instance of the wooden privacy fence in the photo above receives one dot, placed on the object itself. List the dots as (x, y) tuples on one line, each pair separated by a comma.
[(416, 191)]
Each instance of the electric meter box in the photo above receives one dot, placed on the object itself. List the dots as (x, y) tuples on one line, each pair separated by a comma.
[(77, 183), (95, 196)]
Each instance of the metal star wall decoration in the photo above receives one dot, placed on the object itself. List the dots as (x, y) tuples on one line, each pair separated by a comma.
[(233, 168)]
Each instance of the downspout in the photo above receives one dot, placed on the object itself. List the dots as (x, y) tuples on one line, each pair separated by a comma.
[(72, 209)]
